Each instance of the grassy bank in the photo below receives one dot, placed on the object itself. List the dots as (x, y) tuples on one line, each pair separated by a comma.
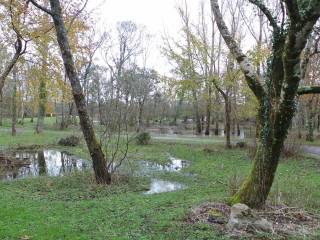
[(73, 207)]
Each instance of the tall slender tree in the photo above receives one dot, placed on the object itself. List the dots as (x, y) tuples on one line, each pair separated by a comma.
[(99, 160)]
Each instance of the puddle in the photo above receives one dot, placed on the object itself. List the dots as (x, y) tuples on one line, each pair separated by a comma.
[(174, 165), (57, 163), (159, 186), (43, 162)]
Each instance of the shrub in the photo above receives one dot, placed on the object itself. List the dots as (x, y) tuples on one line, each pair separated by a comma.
[(69, 141), (143, 138), (291, 148), (241, 144)]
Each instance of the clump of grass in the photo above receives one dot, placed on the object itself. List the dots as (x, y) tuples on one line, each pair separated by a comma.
[(143, 138), (234, 183)]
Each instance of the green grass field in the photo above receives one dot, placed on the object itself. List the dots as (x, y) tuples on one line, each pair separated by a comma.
[(74, 207)]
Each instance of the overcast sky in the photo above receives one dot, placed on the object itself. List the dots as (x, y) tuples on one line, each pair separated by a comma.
[(159, 16)]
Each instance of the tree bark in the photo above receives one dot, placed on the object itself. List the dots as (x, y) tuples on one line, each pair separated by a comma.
[(14, 103), (196, 112), (309, 136), (228, 121), (20, 49), (1, 113), (277, 100), (140, 113), (98, 158), (42, 105)]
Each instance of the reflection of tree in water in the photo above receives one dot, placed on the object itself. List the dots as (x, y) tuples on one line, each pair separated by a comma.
[(63, 167), (74, 164), (42, 163)]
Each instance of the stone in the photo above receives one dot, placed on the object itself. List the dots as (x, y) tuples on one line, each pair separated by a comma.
[(263, 225), (243, 218), (216, 217)]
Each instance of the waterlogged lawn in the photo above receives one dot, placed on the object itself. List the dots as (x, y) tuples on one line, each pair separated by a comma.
[(74, 207)]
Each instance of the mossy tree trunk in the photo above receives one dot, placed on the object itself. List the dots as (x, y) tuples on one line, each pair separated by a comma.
[(276, 94), (98, 158)]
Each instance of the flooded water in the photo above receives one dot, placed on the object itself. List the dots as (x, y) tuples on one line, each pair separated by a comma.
[(242, 134), (174, 165), (43, 162), (56, 163), (159, 186)]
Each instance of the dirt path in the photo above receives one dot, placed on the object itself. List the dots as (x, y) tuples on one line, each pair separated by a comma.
[(314, 150)]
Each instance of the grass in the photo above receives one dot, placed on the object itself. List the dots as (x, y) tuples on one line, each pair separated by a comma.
[(74, 207)]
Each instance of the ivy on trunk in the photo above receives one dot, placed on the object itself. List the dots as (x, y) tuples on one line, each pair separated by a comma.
[(276, 91)]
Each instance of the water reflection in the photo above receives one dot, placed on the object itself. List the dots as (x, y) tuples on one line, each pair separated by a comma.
[(43, 162), (159, 186), (174, 165), (242, 134)]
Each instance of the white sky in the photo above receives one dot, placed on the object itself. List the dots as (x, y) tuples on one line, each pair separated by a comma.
[(159, 16)]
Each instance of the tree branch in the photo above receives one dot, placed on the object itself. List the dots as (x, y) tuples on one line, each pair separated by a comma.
[(313, 11), (246, 66), (308, 90), (272, 20), (20, 49), (41, 7), (293, 10), (76, 15)]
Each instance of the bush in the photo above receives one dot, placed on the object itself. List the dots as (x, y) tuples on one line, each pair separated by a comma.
[(69, 141), (291, 148), (241, 144), (143, 138)]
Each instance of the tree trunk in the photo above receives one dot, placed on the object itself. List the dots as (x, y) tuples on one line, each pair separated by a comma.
[(1, 112), (216, 129), (207, 131), (98, 158), (42, 163), (196, 113), (300, 121), (277, 99), (22, 108), (101, 121), (14, 103), (20, 49), (179, 105), (63, 121), (228, 121), (309, 136), (140, 112), (255, 189), (42, 105)]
